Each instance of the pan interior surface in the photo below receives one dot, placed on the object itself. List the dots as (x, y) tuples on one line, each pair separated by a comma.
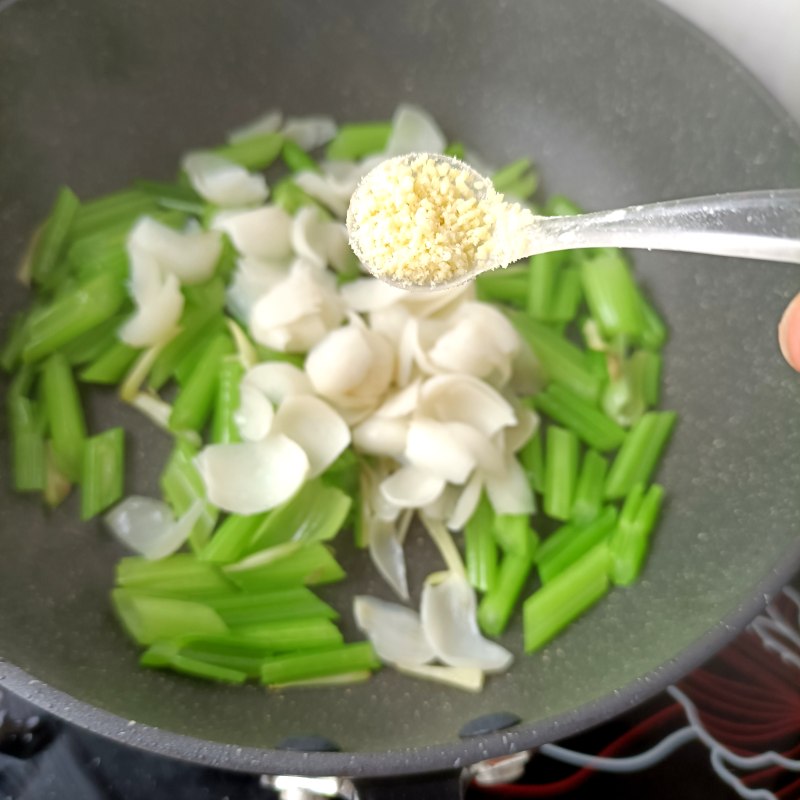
[(618, 103)]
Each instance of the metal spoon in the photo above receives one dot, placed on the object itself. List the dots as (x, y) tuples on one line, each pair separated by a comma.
[(759, 224)]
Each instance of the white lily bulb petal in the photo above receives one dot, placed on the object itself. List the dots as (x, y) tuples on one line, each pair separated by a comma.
[(402, 402), (298, 312), (517, 436), (316, 427), (509, 491), (487, 451), (324, 190), (263, 233), (147, 527), (269, 122), (467, 399), (394, 630), (414, 131), (466, 503), (386, 552), (223, 182), (311, 131), (159, 304), (379, 436), (190, 256), (434, 447), (250, 477), (252, 279), (411, 487), (441, 508), (449, 619), (254, 415), (277, 380), (318, 240), (468, 678), (370, 294)]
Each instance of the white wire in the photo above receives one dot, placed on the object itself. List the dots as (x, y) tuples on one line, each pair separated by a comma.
[(666, 747), (726, 776), (788, 656)]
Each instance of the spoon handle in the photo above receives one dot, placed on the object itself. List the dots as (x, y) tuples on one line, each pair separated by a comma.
[(763, 225)]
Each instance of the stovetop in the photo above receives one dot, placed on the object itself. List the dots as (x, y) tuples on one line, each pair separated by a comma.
[(731, 729)]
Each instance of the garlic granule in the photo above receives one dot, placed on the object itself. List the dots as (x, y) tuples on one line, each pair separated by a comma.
[(422, 220)]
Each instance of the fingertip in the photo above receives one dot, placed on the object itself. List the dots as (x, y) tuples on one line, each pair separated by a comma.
[(789, 333)]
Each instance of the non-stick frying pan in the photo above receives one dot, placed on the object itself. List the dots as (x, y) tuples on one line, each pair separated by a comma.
[(619, 102)]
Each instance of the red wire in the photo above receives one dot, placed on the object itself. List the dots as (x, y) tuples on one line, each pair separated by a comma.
[(583, 774), (770, 772), (789, 791)]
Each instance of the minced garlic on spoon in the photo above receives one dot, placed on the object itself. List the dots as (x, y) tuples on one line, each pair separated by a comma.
[(430, 221)]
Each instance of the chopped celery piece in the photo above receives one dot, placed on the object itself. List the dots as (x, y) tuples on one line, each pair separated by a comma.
[(517, 178), (550, 609), (27, 443), (172, 195), (111, 365), (568, 295), (480, 547), (646, 367), (543, 281), (72, 314), (590, 489), (508, 286), (290, 197), (297, 159), (586, 421), (571, 542), (612, 295), (514, 534), (628, 544), (310, 565), (356, 140), (321, 663), (255, 152), (230, 541), (640, 452), (64, 415), (159, 656), (252, 609), (102, 477), (315, 514), (47, 260), (654, 331), (560, 473), (149, 619), (224, 429), (15, 342), (180, 574), (561, 360), (110, 212), (455, 150), (194, 403), (532, 459), (285, 635), (497, 605), (225, 650), (560, 206), (92, 344)]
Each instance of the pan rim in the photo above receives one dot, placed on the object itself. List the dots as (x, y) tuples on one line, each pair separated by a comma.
[(434, 757)]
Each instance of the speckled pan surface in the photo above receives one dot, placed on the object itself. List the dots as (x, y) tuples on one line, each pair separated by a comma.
[(619, 102)]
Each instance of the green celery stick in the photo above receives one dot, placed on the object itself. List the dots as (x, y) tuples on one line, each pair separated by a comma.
[(348, 658), (560, 473), (178, 575), (225, 650), (102, 476), (90, 345), (640, 452), (15, 342), (315, 514), (231, 540), (286, 635), (111, 366), (255, 152), (193, 405), (514, 534), (549, 610), (455, 150), (27, 443), (572, 542), (155, 658), (552, 546), (172, 195), (612, 295), (586, 421), (356, 140), (503, 286), (73, 314), (110, 212), (64, 415), (645, 367), (224, 429), (532, 459), (568, 295), (310, 565), (480, 547), (543, 279), (47, 260), (590, 488), (150, 619), (561, 360), (628, 544), (560, 206), (297, 159), (654, 331), (497, 605), (517, 178), (246, 611)]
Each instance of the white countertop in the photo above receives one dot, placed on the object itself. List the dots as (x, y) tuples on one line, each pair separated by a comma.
[(763, 34)]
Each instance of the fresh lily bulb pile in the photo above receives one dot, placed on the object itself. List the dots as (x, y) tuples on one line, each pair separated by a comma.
[(306, 398)]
